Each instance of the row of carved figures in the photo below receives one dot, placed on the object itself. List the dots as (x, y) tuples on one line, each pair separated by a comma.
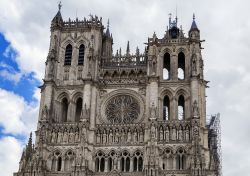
[(118, 136), (166, 135), (62, 135)]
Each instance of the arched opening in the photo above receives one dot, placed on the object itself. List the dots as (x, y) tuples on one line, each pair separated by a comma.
[(68, 55), (135, 164), (110, 163), (127, 164), (64, 109), (78, 109), (181, 66), (102, 165), (166, 108), (81, 55), (166, 66), (140, 164), (180, 160), (122, 164), (181, 108), (97, 165), (59, 163)]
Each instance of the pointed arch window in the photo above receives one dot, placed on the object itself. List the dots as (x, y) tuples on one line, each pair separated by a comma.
[(64, 109), (81, 54), (181, 107), (181, 66), (59, 163), (78, 109), (166, 108), (166, 66), (68, 55)]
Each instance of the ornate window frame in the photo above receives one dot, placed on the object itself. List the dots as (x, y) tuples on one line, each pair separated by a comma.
[(103, 104)]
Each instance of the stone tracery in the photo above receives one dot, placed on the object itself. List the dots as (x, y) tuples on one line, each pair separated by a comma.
[(122, 109)]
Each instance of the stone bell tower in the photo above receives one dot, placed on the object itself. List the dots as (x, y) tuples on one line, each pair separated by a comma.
[(123, 113)]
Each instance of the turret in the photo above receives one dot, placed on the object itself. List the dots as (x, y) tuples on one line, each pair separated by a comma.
[(107, 42), (194, 32), (57, 21)]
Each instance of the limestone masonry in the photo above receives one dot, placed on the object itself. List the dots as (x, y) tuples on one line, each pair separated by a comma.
[(141, 114)]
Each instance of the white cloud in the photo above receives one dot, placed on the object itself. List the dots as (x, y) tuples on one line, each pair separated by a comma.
[(10, 154), (223, 24), (17, 116)]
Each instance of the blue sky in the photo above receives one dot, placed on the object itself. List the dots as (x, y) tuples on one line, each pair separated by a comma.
[(24, 86), (24, 43)]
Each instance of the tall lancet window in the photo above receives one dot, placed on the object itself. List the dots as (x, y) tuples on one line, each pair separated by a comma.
[(166, 66), (81, 55), (166, 109), (78, 109), (68, 55), (181, 66), (181, 108), (64, 109)]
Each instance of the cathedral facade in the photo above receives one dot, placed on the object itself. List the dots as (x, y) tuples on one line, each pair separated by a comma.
[(141, 114)]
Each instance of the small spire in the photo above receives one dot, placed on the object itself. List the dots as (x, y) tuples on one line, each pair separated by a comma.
[(120, 51), (128, 48), (107, 31), (137, 51), (194, 26)]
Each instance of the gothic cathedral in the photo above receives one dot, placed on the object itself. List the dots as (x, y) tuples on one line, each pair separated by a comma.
[(122, 114)]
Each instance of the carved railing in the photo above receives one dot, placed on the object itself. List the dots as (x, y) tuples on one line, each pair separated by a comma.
[(138, 60), (83, 23)]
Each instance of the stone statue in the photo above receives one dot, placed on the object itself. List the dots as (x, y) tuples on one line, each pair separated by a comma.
[(153, 131), (65, 136), (76, 136), (129, 136), (194, 64), (60, 136), (110, 137), (45, 113), (141, 136), (167, 135), (195, 110), (153, 111), (71, 136), (161, 134), (98, 137), (174, 134), (187, 135), (180, 135), (53, 138)]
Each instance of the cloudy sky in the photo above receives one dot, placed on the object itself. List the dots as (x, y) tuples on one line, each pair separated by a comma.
[(24, 42)]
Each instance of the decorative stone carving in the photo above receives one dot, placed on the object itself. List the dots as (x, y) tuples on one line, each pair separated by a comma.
[(153, 112), (45, 113), (122, 109), (194, 64), (195, 110)]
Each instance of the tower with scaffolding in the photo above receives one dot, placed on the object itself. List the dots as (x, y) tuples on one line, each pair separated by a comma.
[(214, 142)]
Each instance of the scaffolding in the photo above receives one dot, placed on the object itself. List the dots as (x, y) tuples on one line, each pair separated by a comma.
[(214, 141)]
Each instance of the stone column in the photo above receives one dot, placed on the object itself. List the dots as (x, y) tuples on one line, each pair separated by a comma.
[(93, 107), (106, 165), (174, 67), (131, 165)]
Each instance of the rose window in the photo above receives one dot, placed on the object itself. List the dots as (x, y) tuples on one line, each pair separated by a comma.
[(122, 109)]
